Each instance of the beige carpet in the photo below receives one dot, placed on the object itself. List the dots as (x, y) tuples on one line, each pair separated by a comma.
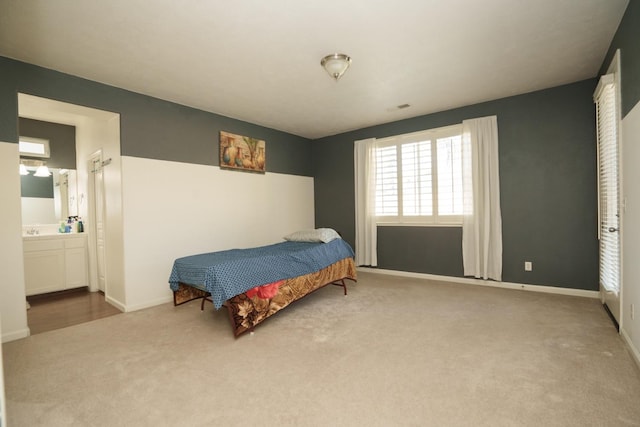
[(394, 352)]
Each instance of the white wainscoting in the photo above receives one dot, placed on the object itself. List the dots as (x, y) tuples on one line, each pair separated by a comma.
[(38, 210), (12, 294), (173, 209), (630, 328), (3, 411)]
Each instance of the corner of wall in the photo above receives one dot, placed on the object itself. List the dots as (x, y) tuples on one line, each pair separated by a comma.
[(13, 310)]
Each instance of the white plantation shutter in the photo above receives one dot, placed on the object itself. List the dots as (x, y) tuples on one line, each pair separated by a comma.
[(417, 182), (386, 181), (608, 180), (419, 177)]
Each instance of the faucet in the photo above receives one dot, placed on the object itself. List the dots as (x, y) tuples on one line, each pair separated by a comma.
[(33, 231)]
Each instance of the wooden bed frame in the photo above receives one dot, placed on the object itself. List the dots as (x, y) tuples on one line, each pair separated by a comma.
[(245, 312)]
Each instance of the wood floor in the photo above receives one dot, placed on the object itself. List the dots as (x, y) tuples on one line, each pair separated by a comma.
[(61, 309)]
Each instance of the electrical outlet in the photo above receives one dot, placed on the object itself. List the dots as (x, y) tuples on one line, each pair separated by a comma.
[(528, 266)]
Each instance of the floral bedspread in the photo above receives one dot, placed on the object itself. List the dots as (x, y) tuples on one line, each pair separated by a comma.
[(247, 311)]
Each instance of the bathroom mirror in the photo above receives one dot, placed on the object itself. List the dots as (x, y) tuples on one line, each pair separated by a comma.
[(49, 200)]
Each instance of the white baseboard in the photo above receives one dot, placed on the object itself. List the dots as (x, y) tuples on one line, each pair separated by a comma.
[(135, 307), (16, 335), (632, 348), (117, 304), (148, 304), (470, 281)]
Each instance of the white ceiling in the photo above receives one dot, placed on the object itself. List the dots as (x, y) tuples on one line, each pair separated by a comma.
[(259, 61)]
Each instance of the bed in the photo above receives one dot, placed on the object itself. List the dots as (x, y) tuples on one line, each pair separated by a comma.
[(254, 284)]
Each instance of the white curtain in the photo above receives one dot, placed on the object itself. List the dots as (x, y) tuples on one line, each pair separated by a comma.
[(482, 220), (365, 177)]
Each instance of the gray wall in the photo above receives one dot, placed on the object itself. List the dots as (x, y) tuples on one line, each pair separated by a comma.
[(627, 39), (36, 186), (62, 141), (547, 154), (547, 161), (149, 127)]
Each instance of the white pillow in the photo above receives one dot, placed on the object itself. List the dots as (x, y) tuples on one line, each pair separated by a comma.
[(324, 235)]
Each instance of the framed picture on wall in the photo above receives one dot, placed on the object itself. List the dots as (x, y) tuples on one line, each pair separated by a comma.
[(242, 153)]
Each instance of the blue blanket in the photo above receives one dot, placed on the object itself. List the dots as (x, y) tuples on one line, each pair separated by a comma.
[(229, 273)]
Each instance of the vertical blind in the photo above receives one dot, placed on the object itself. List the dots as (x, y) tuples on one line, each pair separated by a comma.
[(608, 182)]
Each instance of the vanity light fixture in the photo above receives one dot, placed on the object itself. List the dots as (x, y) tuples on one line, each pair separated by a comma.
[(41, 167), (336, 64), (42, 171)]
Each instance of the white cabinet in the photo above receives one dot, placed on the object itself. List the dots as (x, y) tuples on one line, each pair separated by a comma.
[(55, 263), (75, 261), (44, 266)]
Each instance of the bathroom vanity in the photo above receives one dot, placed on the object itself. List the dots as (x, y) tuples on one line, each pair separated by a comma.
[(55, 262)]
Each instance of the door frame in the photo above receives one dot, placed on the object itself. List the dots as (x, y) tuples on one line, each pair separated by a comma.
[(613, 303), (96, 158)]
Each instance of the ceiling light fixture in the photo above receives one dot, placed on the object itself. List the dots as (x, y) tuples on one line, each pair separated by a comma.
[(336, 64)]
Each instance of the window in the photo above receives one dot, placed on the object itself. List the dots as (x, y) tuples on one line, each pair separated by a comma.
[(34, 147), (419, 178)]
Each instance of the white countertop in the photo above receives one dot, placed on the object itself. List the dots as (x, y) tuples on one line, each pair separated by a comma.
[(52, 236)]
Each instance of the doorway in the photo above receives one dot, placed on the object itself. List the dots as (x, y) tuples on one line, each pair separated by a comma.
[(97, 136)]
